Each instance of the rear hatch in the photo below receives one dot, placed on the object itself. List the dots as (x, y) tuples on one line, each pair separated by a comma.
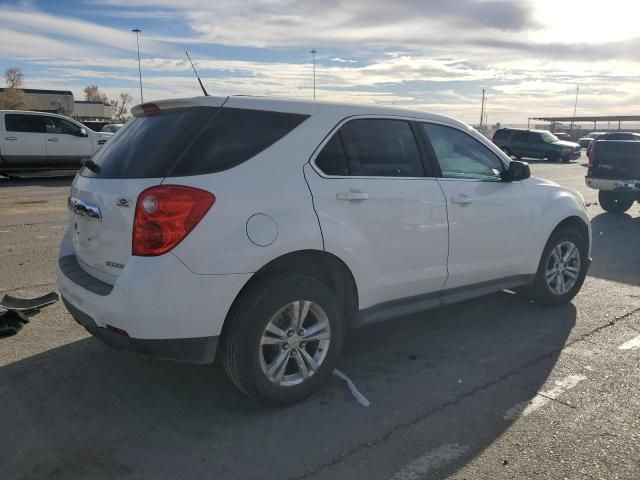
[(616, 159), (165, 139), (103, 198)]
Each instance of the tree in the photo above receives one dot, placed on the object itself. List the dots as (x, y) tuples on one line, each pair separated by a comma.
[(119, 107), (93, 94), (13, 98)]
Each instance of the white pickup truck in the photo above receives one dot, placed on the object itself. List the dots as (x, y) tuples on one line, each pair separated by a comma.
[(36, 141)]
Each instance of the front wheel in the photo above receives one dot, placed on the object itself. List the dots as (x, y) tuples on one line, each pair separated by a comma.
[(553, 156), (562, 268), (615, 202), (284, 338)]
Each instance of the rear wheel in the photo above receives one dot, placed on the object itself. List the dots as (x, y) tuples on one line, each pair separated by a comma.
[(615, 202), (562, 268), (284, 339)]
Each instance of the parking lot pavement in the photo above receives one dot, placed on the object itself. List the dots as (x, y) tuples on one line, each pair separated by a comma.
[(492, 388)]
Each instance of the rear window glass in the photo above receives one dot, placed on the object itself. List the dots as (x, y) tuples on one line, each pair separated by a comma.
[(190, 141)]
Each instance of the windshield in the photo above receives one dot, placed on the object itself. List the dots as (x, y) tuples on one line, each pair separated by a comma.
[(549, 137)]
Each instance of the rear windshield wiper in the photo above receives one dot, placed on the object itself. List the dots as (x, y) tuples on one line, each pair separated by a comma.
[(91, 165)]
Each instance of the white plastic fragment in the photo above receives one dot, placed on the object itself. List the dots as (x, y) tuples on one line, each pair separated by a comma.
[(362, 400)]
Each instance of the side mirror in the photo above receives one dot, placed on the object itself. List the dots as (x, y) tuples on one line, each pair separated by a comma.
[(83, 133), (516, 171)]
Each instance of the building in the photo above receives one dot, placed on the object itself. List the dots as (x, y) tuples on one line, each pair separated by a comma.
[(50, 101), (95, 112)]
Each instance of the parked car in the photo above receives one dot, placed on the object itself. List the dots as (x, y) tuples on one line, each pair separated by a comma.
[(614, 170), (535, 144), (562, 136), (32, 141), (112, 127), (613, 136), (277, 225), (588, 138)]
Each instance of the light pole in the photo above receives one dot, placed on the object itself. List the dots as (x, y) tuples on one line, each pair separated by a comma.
[(313, 52), (482, 110), (137, 31), (575, 109)]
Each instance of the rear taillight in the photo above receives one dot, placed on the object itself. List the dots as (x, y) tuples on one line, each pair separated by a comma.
[(165, 215)]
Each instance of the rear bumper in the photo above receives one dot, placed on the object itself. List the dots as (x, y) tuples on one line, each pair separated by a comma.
[(190, 350), (154, 298), (627, 186)]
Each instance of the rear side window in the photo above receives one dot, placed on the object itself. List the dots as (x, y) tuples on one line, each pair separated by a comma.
[(501, 134), (376, 148), (190, 141), (332, 159), (25, 123), (520, 137)]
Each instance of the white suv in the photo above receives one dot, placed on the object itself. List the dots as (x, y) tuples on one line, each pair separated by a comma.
[(265, 229)]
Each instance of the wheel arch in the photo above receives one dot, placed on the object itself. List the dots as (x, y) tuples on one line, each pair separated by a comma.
[(319, 264)]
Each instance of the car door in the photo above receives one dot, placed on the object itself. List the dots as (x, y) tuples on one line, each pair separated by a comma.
[(67, 142), (537, 146), (23, 142), (490, 220), (379, 210), (520, 143)]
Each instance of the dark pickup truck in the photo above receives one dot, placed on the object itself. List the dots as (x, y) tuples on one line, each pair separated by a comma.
[(614, 169)]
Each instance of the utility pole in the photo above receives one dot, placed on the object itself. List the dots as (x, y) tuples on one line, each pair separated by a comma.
[(575, 108), (137, 31), (313, 52), (482, 109)]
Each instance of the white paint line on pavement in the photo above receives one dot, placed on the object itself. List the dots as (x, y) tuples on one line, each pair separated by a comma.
[(362, 400), (631, 344), (542, 398), (430, 461)]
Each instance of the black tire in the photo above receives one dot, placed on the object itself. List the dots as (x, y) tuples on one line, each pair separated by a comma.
[(552, 156), (248, 319), (566, 159), (615, 202), (541, 292)]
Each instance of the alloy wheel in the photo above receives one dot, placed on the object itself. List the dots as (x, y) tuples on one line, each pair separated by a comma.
[(294, 343), (563, 268)]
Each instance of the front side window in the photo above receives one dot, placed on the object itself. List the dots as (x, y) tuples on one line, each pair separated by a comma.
[(25, 123), (60, 125), (462, 156), (548, 137)]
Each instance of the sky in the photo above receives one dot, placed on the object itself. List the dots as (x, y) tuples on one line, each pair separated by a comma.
[(434, 55)]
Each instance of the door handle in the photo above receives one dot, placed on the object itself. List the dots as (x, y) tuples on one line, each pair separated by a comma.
[(462, 199), (11, 138), (352, 196), (52, 139)]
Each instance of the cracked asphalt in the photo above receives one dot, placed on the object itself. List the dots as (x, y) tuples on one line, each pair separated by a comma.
[(493, 388)]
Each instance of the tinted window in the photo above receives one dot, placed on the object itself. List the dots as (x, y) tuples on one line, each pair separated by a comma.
[(520, 137), (535, 138), (190, 141), (381, 148), (501, 134), (60, 125), (332, 159), (620, 136), (462, 156), (25, 123)]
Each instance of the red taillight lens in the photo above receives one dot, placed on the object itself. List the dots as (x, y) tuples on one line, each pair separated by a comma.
[(165, 215)]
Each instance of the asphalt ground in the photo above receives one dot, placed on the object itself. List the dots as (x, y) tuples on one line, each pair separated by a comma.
[(492, 388)]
